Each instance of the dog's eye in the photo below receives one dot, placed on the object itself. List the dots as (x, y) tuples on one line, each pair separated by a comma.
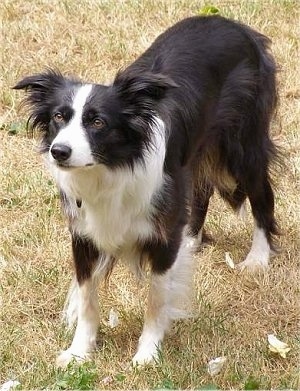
[(58, 117), (98, 123)]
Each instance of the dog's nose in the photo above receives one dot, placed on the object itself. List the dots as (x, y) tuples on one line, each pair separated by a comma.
[(61, 152)]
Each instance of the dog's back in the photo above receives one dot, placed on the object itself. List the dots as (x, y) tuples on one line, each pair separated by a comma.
[(218, 119), (222, 69)]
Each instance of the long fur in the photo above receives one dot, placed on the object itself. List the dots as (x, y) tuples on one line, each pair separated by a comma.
[(137, 161)]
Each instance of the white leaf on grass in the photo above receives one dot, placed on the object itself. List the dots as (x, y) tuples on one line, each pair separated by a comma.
[(215, 366), (228, 260), (107, 380), (9, 385), (277, 346), (3, 263), (113, 319)]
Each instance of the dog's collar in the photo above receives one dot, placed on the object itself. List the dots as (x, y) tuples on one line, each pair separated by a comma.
[(78, 203)]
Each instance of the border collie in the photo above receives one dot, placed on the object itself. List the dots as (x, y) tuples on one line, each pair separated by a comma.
[(137, 161)]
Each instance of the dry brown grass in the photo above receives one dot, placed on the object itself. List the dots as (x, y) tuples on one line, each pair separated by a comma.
[(233, 313)]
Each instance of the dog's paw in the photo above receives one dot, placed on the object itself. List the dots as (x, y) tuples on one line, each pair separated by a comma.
[(69, 355), (253, 265), (145, 355)]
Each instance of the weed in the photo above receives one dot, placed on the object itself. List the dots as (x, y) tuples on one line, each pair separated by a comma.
[(76, 377)]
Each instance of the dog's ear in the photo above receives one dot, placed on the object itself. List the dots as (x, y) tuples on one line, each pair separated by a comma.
[(140, 94), (145, 85), (40, 89), (40, 85)]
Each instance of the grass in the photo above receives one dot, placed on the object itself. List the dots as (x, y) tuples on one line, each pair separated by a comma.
[(233, 312)]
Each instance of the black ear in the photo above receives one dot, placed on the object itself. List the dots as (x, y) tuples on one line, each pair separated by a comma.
[(146, 85), (32, 82), (42, 82), (40, 89)]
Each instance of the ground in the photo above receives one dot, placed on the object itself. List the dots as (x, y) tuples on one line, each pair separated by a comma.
[(233, 313)]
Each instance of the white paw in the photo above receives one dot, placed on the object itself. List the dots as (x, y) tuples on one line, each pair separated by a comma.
[(69, 355), (145, 355), (253, 264), (258, 257)]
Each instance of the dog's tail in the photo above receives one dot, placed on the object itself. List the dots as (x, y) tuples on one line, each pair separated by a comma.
[(267, 70), (248, 102), (266, 93)]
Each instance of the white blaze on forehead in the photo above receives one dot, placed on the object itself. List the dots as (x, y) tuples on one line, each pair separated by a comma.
[(80, 99), (74, 135)]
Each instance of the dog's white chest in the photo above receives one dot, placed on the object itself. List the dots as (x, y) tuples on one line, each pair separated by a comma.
[(117, 209), (115, 225)]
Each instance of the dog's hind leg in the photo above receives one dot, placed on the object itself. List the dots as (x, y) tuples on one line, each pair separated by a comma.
[(169, 298), (261, 199), (83, 302)]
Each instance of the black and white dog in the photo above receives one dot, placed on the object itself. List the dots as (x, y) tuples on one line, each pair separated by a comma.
[(137, 161)]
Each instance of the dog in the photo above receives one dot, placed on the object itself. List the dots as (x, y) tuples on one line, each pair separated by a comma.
[(137, 161)]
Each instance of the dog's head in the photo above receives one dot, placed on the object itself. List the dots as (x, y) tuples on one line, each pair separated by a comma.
[(86, 124)]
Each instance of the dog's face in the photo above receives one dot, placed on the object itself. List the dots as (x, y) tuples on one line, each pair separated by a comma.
[(89, 124)]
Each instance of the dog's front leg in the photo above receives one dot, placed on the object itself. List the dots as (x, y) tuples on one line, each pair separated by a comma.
[(82, 302), (169, 295)]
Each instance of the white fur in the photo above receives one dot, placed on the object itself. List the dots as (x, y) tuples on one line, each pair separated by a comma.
[(70, 312), (86, 310), (242, 212), (73, 135), (259, 254), (169, 299)]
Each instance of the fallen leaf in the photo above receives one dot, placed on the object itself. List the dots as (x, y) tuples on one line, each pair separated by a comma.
[(277, 346), (228, 260), (215, 366), (3, 262), (107, 380), (113, 319)]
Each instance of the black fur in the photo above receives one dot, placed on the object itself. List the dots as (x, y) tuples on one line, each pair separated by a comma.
[(86, 256)]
